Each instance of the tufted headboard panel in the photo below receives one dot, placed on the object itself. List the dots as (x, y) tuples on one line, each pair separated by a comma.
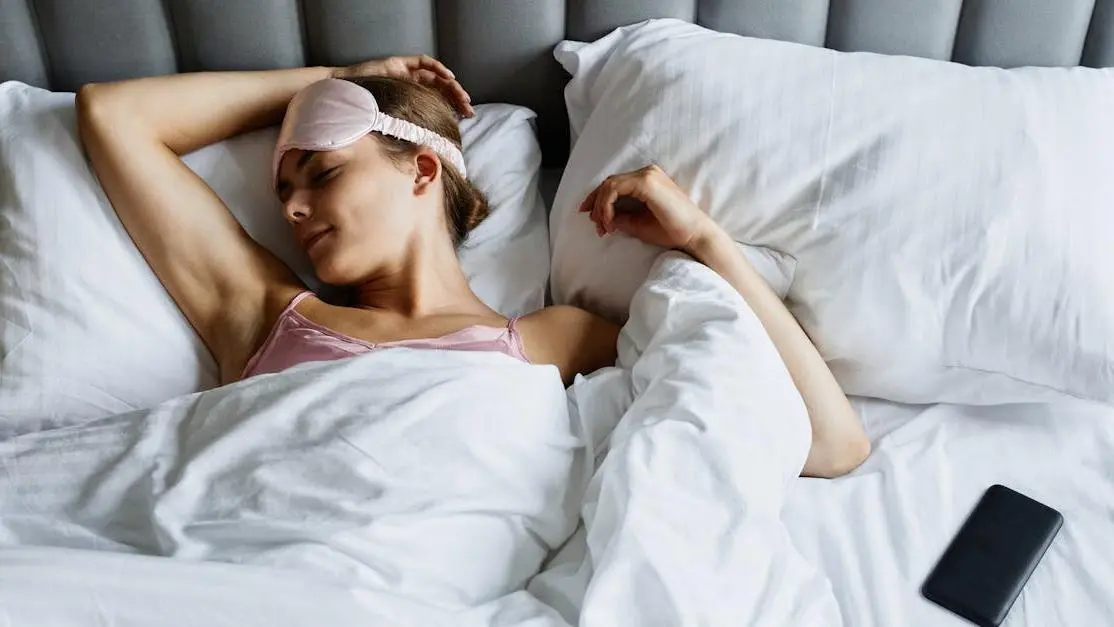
[(501, 49)]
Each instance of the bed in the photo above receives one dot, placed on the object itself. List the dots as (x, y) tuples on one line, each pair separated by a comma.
[(855, 550)]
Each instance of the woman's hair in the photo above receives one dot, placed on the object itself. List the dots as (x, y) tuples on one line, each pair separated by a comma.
[(465, 206)]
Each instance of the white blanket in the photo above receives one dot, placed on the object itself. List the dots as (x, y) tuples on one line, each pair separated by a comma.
[(682, 518), (411, 487), (437, 476)]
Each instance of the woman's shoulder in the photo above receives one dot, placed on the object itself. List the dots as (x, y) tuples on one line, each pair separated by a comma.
[(573, 339), (555, 314)]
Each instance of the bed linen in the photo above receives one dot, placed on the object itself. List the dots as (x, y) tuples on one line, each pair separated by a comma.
[(950, 225), (425, 487), (877, 533), (381, 470), (874, 535), (684, 479), (87, 330)]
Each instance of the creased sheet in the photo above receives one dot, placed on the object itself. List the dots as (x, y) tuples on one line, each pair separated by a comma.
[(426, 487), (437, 476), (682, 518)]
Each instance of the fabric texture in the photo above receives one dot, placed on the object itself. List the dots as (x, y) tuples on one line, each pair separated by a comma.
[(381, 471), (949, 225), (890, 522), (295, 339), (87, 330), (333, 113), (499, 48), (698, 435), (420, 487)]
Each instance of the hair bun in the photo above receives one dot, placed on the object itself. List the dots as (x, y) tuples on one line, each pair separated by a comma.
[(479, 210)]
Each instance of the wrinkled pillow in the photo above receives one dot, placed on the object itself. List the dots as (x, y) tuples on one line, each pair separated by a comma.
[(951, 226)]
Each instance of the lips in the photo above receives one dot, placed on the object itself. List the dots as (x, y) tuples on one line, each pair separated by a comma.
[(310, 241)]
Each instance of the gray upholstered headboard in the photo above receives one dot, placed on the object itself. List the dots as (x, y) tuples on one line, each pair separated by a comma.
[(501, 49)]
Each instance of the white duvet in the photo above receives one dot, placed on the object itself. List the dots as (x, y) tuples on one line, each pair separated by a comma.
[(433, 475), (411, 487)]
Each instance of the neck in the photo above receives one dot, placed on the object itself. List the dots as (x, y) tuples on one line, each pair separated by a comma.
[(427, 280)]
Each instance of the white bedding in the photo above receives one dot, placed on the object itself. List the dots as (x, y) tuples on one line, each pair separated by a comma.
[(334, 514), (949, 226), (877, 533), (429, 485), (434, 475)]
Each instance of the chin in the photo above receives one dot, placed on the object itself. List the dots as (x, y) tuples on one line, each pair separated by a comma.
[(331, 277), (330, 272)]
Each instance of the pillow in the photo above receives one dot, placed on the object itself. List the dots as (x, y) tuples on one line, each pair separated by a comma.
[(87, 330), (951, 225)]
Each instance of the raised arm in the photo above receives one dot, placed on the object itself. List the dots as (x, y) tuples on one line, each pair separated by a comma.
[(134, 132), (229, 287), (671, 220)]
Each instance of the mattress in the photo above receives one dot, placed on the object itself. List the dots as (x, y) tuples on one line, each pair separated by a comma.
[(877, 533)]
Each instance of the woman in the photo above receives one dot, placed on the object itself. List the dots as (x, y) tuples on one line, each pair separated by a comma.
[(369, 172)]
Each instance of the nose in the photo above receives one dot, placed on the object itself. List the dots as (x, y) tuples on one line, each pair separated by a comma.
[(296, 209)]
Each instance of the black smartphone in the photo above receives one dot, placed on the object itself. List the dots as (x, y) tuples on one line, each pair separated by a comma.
[(988, 562)]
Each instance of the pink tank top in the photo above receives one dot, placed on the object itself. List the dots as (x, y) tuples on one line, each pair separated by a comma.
[(296, 339)]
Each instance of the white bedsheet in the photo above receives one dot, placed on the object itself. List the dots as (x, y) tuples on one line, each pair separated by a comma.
[(693, 516), (423, 485), (877, 533)]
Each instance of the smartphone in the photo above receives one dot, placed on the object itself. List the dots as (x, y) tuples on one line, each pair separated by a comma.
[(988, 562)]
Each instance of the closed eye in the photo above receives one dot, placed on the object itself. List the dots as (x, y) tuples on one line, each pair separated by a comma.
[(323, 175)]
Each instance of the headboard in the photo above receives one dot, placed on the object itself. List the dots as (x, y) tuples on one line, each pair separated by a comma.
[(502, 49)]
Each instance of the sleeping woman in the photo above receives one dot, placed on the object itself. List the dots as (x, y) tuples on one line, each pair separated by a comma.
[(369, 171)]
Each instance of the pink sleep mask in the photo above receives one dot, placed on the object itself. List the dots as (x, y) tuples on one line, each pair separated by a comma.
[(333, 113)]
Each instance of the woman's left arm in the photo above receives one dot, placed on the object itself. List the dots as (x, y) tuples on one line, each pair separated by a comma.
[(671, 220), (839, 443)]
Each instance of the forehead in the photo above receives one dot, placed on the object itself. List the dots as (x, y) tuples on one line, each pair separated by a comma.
[(297, 158)]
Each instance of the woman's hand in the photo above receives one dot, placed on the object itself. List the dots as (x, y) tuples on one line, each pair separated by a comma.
[(660, 214), (419, 68)]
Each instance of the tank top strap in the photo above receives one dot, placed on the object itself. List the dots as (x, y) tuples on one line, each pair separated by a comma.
[(515, 339), (294, 302), (269, 341)]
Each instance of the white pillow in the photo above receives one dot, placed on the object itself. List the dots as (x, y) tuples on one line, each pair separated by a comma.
[(953, 227), (87, 330)]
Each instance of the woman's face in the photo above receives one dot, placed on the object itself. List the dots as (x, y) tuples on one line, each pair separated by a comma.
[(354, 210)]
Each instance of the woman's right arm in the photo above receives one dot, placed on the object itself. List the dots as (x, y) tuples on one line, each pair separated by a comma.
[(134, 132)]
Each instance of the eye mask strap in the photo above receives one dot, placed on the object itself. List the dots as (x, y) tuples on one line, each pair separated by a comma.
[(333, 113)]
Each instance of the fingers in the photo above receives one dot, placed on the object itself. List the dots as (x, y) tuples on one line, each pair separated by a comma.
[(600, 203), (460, 97), (422, 69), (623, 223), (428, 63), (645, 190), (605, 206), (595, 212), (589, 201), (452, 90)]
